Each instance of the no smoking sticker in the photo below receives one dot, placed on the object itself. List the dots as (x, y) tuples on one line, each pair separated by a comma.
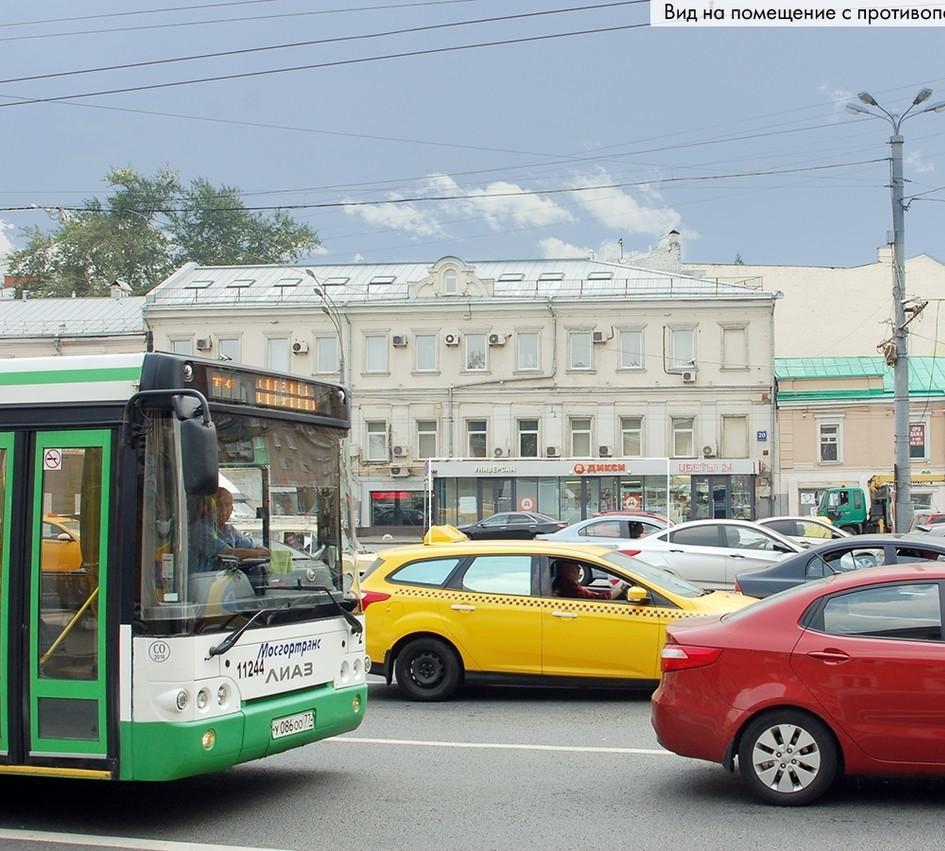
[(52, 459)]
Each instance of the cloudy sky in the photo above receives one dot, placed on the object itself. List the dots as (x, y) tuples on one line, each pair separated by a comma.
[(395, 145)]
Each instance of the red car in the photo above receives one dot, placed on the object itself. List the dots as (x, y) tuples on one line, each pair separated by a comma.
[(845, 674)]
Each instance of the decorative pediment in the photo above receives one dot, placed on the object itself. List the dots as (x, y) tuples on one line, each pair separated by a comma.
[(450, 277)]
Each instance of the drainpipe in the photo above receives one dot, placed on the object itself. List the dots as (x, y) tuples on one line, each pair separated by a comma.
[(449, 419)]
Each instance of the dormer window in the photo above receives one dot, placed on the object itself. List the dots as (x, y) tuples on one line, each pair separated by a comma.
[(449, 282)]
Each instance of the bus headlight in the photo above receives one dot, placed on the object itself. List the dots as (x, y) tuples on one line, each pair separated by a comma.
[(345, 670), (367, 664), (203, 698), (182, 700), (221, 695)]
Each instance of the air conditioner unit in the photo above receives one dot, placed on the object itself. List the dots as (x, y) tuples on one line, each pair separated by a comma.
[(299, 347), (204, 344), (398, 341), (689, 376), (599, 337), (708, 451), (399, 472), (451, 339), (399, 451), (603, 451), (551, 451), (497, 339), (498, 452)]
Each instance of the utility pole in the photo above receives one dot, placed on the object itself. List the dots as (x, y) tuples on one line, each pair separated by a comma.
[(897, 352)]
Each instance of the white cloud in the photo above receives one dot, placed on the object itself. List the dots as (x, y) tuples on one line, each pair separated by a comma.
[(839, 97), (918, 163), (620, 211), (472, 203), (554, 248), (5, 245)]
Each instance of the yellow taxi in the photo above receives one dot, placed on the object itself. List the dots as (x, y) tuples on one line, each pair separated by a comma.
[(453, 610)]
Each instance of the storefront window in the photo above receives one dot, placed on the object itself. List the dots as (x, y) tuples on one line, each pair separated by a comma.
[(526, 495), (607, 499), (742, 498), (631, 495), (466, 508), (570, 504), (654, 495), (397, 508), (679, 491), (548, 496)]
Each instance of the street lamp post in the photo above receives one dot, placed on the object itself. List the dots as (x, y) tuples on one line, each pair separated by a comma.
[(898, 352), (330, 309)]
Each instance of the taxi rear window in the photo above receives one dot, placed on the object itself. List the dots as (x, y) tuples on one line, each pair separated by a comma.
[(433, 571)]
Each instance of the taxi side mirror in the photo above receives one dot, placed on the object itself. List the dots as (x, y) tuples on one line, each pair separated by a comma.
[(636, 594)]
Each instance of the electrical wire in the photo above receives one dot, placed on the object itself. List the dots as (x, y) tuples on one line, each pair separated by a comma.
[(332, 64), (477, 196), (312, 42)]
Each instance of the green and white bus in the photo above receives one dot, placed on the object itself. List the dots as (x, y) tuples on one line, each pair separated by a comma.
[(135, 644)]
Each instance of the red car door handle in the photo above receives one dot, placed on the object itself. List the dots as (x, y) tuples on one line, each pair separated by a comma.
[(831, 657)]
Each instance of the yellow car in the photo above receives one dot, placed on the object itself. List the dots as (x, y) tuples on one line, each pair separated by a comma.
[(442, 614)]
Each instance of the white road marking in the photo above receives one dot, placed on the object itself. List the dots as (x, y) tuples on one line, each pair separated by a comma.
[(129, 842), (502, 746)]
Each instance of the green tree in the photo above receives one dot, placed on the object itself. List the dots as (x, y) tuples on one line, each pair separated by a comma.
[(146, 228)]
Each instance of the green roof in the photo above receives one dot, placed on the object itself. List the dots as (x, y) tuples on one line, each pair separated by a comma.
[(926, 377)]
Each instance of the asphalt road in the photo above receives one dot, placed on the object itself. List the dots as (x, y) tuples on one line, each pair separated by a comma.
[(492, 769)]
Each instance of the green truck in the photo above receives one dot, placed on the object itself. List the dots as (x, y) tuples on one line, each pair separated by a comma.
[(873, 510)]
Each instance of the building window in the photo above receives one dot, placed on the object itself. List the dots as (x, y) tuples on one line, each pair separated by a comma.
[(528, 350), (684, 437), (917, 441), (476, 437), (631, 436), (579, 350), (377, 449), (631, 350), (734, 437), (426, 438), (326, 354), (229, 348), (682, 348), (425, 352), (828, 439), (580, 437), (278, 353), (734, 348), (184, 346), (449, 282), (476, 350), (375, 353), (528, 438)]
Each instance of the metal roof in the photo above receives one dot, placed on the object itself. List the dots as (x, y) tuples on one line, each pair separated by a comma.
[(71, 317), (926, 377), (369, 282)]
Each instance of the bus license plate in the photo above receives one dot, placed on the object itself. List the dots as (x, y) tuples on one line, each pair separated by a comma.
[(292, 724)]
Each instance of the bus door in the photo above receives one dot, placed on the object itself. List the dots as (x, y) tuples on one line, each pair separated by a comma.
[(64, 605), (6, 512)]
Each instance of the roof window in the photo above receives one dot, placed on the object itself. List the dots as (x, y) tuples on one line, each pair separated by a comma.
[(336, 282), (600, 276), (288, 282), (241, 283), (551, 276), (383, 279), (512, 276), (197, 284)]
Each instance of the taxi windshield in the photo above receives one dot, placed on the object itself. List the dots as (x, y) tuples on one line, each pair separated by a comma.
[(269, 538), (654, 575)]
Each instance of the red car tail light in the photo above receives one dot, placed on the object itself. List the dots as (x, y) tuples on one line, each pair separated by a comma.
[(630, 553), (679, 657), (368, 597)]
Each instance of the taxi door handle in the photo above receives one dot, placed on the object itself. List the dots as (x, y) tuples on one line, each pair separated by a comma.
[(555, 613), (677, 551), (831, 657), (736, 555), (461, 607)]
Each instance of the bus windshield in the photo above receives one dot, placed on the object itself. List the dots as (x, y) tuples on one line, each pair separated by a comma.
[(269, 538)]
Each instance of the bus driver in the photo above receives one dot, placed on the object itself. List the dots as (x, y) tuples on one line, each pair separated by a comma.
[(211, 534)]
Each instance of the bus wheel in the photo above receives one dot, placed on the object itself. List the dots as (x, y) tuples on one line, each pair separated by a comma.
[(427, 669)]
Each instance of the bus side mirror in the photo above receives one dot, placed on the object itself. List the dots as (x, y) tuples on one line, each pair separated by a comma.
[(199, 457)]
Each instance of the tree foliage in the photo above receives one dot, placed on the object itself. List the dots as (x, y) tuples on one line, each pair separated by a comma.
[(146, 228)]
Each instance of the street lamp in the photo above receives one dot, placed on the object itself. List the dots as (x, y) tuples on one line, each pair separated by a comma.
[(330, 309), (897, 353)]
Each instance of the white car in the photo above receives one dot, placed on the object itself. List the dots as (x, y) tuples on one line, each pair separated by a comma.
[(710, 552), (807, 531)]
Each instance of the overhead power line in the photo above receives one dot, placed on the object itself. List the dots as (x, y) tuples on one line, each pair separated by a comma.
[(9, 24), (312, 42), (473, 197), (336, 63)]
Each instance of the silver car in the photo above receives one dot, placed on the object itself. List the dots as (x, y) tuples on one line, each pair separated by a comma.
[(617, 529), (710, 552)]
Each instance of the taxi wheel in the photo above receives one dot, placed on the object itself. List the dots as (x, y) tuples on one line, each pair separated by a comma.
[(427, 669), (788, 758)]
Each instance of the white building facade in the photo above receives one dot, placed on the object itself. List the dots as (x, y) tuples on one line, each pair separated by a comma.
[(563, 386)]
